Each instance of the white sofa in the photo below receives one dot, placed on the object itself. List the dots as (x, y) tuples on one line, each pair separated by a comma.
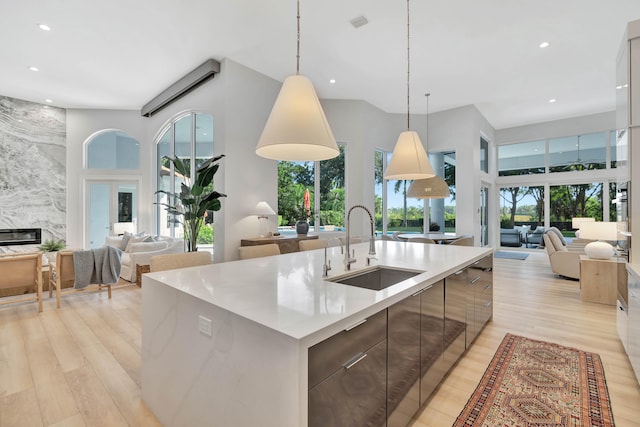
[(140, 248)]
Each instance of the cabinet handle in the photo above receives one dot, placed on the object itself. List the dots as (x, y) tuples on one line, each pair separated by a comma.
[(459, 272), (475, 279), (422, 290), (487, 304), (487, 287), (357, 358), (355, 325)]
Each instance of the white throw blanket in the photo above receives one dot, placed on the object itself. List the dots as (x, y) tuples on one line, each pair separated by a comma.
[(97, 266)]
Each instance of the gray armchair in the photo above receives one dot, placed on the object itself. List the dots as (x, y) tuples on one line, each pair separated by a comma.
[(535, 238), (510, 237)]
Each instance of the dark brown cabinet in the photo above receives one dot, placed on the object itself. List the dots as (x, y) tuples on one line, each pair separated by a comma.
[(348, 376), (403, 361), (432, 368), (455, 316), (380, 371)]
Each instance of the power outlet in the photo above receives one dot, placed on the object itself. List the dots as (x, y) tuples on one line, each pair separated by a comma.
[(204, 325)]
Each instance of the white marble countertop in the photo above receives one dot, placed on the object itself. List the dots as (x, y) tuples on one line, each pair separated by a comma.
[(288, 294)]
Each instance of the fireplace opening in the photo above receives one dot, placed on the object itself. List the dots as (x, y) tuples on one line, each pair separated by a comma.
[(20, 236)]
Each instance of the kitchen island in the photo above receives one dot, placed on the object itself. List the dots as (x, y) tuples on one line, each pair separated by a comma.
[(228, 344)]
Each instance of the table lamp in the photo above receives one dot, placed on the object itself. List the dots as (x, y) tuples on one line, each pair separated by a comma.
[(263, 210), (602, 232), (577, 221)]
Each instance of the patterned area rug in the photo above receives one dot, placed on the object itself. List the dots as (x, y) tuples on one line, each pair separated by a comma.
[(533, 383)]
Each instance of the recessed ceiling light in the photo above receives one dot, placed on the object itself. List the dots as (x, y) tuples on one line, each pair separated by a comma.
[(48, 101), (619, 87), (552, 100), (44, 27), (544, 44), (32, 68), (332, 81)]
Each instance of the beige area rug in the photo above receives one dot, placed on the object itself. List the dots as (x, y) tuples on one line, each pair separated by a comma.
[(533, 383)]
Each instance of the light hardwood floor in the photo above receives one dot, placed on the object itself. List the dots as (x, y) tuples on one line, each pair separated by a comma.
[(529, 300), (80, 365)]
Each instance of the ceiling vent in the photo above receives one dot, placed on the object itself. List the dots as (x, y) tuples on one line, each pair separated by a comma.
[(359, 21), (183, 86)]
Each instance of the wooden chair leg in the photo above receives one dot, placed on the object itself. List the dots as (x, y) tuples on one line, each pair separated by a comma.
[(109, 290), (58, 285), (40, 295)]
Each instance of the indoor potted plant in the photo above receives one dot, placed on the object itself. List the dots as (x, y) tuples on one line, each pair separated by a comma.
[(189, 207), (50, 247)]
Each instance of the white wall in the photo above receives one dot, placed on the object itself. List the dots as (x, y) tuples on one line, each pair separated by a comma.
[(81, 124), (240, 101), (363, 128)]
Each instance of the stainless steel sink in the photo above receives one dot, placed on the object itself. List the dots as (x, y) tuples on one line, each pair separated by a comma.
[(377, 278)]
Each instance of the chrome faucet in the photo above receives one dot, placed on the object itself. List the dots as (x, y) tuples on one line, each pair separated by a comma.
[(351, 258), (326, 267)]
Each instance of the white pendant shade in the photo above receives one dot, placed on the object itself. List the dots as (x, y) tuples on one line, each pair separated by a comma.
[(409, 159), (297, 129), (430, 188)]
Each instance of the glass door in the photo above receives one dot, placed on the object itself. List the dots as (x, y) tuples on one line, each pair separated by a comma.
[(484, 216), (109, 202)]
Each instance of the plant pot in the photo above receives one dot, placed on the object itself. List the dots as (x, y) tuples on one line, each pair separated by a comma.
[(302, 227)]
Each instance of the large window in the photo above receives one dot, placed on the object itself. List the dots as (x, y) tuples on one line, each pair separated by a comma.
[(521, 206), (394, 211), (484, 155), (325, 182), (190, 138), (575, 200), (577, 153), (524, 158)]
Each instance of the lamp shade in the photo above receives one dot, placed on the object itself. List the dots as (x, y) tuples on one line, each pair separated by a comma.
[(409, 159), (577, 221), (430, 188), (263, 209), (599, 231), (297, 129)]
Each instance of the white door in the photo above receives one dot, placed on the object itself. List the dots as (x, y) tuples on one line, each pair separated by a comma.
[(109, 202)]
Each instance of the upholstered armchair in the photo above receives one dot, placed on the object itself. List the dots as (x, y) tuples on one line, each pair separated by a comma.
[(563, 261)]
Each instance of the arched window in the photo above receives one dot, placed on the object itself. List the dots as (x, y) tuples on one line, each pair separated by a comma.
[(190, 138), (113, 149)]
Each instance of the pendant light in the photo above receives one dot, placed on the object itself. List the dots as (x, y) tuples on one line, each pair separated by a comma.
[(297, 129), (409, 159), (429, 188)]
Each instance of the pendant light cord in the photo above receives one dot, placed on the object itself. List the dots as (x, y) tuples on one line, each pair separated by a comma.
[(427, 95), (298, 47), (408, 69)]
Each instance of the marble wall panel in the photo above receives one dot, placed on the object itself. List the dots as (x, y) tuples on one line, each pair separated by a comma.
[(32, 168)]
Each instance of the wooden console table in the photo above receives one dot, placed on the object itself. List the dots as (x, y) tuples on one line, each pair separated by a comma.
[(140, 270), (599, 279), (287, 244)]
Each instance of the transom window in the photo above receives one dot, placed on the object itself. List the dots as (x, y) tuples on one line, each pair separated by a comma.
[(113, 149)]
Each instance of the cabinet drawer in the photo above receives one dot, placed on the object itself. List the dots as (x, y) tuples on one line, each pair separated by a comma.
[(355, 396), (331, 354)]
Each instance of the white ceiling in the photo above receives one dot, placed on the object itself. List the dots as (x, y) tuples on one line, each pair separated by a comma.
[(121, 53)]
